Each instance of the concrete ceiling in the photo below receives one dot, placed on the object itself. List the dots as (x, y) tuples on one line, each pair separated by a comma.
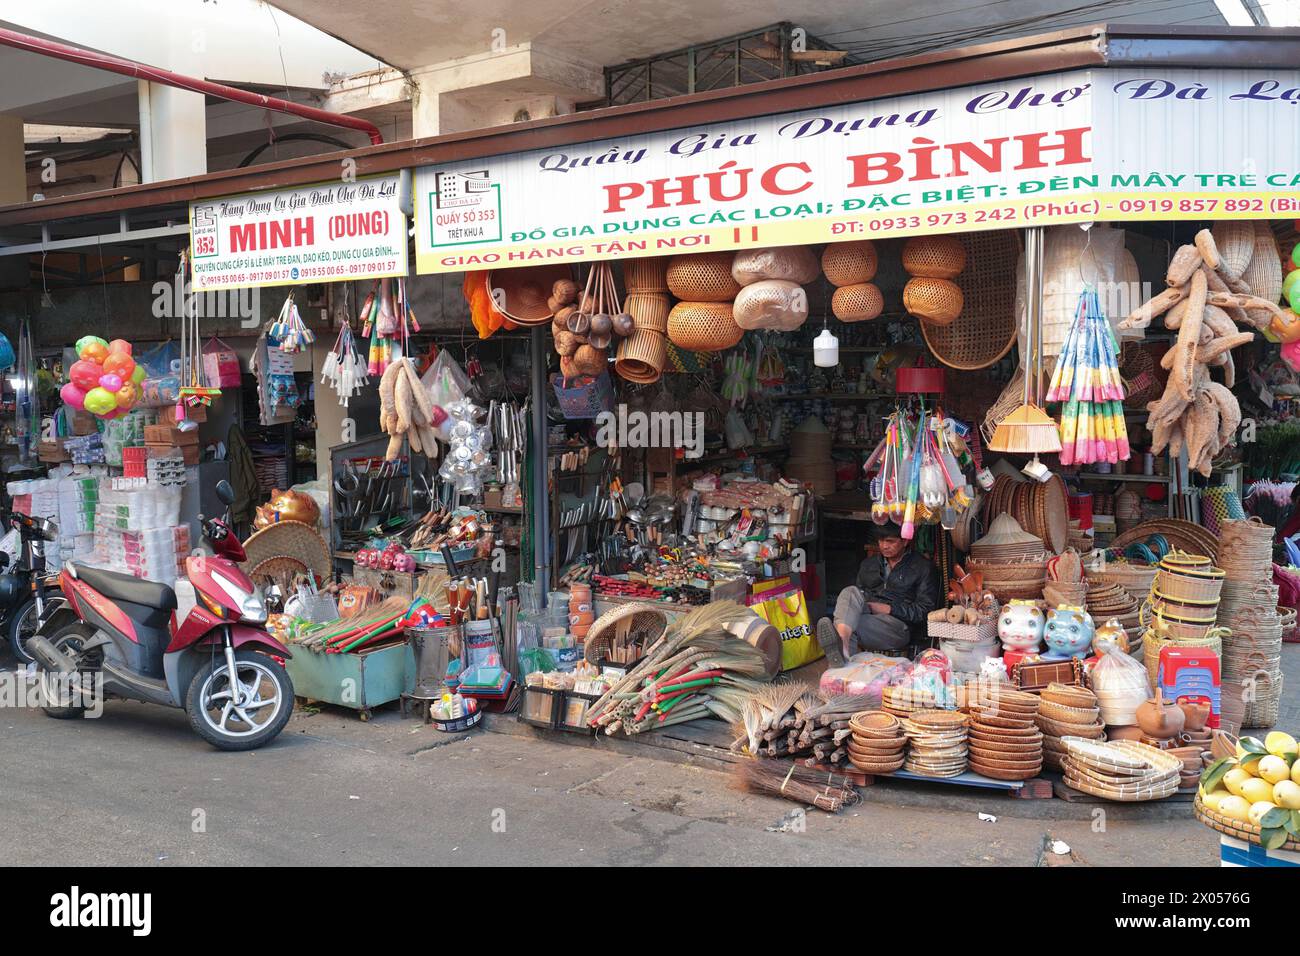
[(413, 33)]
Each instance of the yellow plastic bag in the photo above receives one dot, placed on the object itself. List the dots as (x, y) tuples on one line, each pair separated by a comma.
[(788, 613)]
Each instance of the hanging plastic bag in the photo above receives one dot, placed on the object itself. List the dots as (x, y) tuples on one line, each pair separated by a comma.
[(220, 364), (446, 383), (789, 615), (1121, 684), (738, 433)]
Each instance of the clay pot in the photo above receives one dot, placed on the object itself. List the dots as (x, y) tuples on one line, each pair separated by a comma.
[(1195, 714), (1160, 719), (1127, 732)]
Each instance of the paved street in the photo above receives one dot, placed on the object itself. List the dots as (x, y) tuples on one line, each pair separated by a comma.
[(137, 787)]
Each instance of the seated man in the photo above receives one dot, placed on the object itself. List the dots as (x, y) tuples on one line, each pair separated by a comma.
[(886, 611)]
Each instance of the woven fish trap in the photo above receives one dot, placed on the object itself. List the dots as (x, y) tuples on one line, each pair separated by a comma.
[(649, 310), (646, 275), (703, 326), (860, 302), (1264, 274), (936, 300), (702, 277), (985, 329), (641, 356), (934, 257), (849, 263), (1235, 239)]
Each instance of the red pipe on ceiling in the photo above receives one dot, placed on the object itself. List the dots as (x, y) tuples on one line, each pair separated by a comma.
[(142, 71)]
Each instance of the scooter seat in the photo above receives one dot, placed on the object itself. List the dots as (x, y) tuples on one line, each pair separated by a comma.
[(128, 588)]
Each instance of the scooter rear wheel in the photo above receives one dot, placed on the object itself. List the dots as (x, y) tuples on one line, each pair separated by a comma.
[(22, 625), (231, 724), (68, 640)]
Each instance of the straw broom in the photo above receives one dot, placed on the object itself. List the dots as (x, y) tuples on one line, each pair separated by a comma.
[(793, 782)]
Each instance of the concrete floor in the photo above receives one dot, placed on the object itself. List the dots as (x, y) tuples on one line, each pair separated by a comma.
[(136, 787)]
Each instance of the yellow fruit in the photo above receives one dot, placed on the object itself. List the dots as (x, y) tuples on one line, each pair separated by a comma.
[(1259, 808), (1278, 743), (1242, 751), (1286, 793), (1295, 772), (1235, 808), (1250, 763), (1256, 790), (1273, 769), (1214, 798), (1233, 780)]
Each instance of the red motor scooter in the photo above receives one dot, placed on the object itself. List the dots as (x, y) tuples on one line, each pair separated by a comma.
[(219, 665)]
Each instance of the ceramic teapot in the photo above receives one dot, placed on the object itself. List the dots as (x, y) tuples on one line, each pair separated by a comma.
[(287, 506), (1020, 626), (1069, 631), (1161, 718)]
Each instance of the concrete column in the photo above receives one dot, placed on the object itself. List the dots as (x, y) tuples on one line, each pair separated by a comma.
[(178, 128), (13, 169)]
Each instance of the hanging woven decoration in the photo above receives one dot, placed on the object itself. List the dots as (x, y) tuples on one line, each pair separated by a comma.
[(1087, 380)]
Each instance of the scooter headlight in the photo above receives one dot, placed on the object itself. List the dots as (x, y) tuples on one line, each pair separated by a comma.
[(253, 609)]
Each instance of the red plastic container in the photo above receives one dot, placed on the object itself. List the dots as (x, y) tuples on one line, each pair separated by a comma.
[(135, 461)]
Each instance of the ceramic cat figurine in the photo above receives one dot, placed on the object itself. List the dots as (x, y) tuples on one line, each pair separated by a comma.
[(1020, 626), (1069, 631)]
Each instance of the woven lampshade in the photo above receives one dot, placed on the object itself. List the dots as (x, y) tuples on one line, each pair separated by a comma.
[(1027, 431), (935, 300), (859, 302), (771, 304), (702, 277), (1235, 239), (848, 263), (791, 263), (935, 257), (703, 326)]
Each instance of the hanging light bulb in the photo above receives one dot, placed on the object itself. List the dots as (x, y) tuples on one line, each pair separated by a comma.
[(826, 349)]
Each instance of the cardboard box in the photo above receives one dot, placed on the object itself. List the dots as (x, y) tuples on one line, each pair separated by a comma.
[(165, 450), (170, 435), (83, 423), (52, 452), (167, 414)]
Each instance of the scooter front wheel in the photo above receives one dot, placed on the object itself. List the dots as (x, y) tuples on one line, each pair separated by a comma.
[(243, 717)]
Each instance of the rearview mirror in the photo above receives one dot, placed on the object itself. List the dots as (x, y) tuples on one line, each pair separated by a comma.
[(225, 494)]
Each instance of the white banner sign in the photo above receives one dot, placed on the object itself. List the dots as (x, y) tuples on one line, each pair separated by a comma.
[(330, 232), (1074, 147)]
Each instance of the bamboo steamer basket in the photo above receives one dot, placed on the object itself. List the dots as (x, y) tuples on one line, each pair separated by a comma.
[(641, 356), (849, 263), (935, 257), (1235, 239), (703, 277), (860, 302), (646, 275), (1264, 274), (649, 310), (703, 326), (934, 300)]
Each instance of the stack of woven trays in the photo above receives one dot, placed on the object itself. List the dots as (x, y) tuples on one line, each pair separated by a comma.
[(1184, 607), (1012, 561), (1106, 601), (1123, 770), (936, 743), (1003, 742), (1252, 651), (877, 744), (902, 701), (1067, 711)]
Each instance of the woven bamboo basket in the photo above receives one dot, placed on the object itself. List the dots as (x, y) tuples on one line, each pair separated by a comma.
[(1236, 241), (1183, 535), (935, 257), (641, 356), (1264, 274), (523, 293), (1263, 711), (1188, 588), (1134, 578), (936, 300), (703, 326), (649, 310), (986, 328), (1240, 829), (1138, 370), (643, 623), (646, 275), (702, 277), (859, 302), (1153, 644), (849, 263)]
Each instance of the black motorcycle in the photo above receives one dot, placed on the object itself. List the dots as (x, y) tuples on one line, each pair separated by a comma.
[(23, 583)]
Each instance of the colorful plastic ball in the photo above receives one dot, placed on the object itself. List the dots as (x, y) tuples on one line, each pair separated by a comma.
[(85, 374), (94, 352), (1295, 256), (100, 401), (120, 345), (1293, 297), (119, 364), (138, 375), (126, 396), (1291, 279), (87, 340), (110, 382), (74, 396)]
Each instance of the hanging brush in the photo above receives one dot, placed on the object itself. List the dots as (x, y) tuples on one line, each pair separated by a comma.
[(344, 370), (290, 330)]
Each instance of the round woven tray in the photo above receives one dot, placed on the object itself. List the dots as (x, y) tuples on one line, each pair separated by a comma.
[(289, 539), (1241, 830), (1183, 535), (645, 622), (524, 292), (986, 328)]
